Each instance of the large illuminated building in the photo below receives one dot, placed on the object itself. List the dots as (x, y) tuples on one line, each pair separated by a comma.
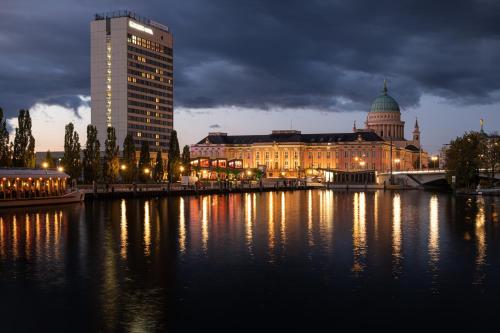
[(380, 147), (132, 79)]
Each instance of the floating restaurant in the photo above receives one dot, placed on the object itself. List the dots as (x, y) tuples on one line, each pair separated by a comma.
[(29, 183)]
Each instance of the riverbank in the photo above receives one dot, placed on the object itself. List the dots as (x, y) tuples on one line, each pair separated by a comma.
[(486, 191), (124, 191)]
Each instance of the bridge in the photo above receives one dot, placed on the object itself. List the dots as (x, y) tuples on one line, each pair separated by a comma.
[(423, 178)]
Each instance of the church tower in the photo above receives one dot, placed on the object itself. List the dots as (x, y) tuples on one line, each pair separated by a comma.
[(416, 134)]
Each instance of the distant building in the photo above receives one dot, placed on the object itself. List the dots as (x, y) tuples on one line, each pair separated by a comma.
[(132, 79), (290, 153)]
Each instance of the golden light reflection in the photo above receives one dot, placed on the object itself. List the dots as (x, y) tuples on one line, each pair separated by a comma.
[(27, 235), (182, 226), (123, 230), (46, 231), (326, 217), (434, 230), (480, 235), (270, 229), (204, 223), (359, 232), (147, 229), (310, 218), (248, 221), (14, 237), (2, 238), (283, 219), (375, 213), (37, 232), (434, 242), (56, 238), (254, 206), (22, 237), (396, 233)]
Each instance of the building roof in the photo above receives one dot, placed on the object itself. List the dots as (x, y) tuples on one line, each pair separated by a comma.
[(412, 148), (384, 102), (33, 173), (289, 136)]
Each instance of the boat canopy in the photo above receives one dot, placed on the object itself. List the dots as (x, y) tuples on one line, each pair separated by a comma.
[(24, 173)]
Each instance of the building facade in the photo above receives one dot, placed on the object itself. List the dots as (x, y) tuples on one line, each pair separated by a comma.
[(132, 79), (379, 147)]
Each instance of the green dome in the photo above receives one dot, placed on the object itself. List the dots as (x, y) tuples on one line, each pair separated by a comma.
[(385, 103)]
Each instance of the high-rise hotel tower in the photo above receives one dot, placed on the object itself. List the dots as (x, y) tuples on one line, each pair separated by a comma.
[(132, 79)]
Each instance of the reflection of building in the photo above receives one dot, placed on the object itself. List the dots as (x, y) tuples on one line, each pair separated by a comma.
[(131, 79), (290, 153)]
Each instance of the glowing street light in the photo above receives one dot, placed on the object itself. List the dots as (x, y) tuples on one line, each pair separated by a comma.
[(60, 169), (45, 165), (147, 171), (123, 167)]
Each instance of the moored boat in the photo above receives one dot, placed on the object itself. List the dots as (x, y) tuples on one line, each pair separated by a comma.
[(20, 187), (71, 197)]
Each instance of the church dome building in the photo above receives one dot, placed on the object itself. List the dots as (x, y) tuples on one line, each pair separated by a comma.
[(335, 157), (384, 117)]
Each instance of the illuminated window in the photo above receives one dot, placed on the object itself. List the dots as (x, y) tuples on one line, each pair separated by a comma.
[(139, 134)]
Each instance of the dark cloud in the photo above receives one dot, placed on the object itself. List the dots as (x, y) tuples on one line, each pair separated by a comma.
[(215, 126), (323, 54)]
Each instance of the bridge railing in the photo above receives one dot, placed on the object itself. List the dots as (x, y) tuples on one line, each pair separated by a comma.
[(416, 172)]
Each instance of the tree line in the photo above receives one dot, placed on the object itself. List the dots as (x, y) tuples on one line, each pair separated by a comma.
[(21, 152), (468, 154), (85, 164)]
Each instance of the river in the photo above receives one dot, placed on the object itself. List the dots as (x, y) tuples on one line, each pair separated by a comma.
[(260, 261)]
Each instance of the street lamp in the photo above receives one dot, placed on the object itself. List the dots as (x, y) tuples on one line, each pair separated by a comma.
[(60, 169), (397, 161), (434, 159), (45, 165), (147, 171), (181, 169), (123, 167)]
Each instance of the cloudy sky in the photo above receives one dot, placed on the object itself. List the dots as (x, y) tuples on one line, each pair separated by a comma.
[(250, 66)]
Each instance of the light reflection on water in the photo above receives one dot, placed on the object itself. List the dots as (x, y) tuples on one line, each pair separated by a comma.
[(359, 232), (396, 235), (120, 259), (480, 235), (434, 241)]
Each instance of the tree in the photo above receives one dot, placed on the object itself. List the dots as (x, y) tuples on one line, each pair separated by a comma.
[(49, 160), (91, 156), (129, 174), (71, 157), (159, 170), (144, 162), (490, 154), (24, 142), (173, 157), (186, 160), (5, 157), (463, 160), (111, 159)]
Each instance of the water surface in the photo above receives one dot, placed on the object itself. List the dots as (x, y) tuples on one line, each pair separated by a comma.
[(265, 262)]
